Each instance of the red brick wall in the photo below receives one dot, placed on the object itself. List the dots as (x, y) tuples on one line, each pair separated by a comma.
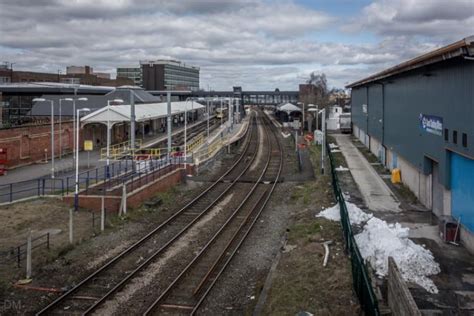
[(134, 199), (26, 145)]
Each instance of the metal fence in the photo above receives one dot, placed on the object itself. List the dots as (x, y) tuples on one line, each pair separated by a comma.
[(360, 276), (19, 253), (60, 186), (144, 172)]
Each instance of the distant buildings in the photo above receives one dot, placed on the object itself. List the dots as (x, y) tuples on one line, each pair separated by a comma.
[(169, 75), (74, 75), (132, 73)]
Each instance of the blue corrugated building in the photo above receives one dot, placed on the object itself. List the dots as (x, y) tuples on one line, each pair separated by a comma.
[(418, 116)]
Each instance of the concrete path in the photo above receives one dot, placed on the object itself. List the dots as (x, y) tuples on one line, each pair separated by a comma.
[(377, 195)]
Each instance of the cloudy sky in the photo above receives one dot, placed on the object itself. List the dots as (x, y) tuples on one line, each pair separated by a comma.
[(258, 44)]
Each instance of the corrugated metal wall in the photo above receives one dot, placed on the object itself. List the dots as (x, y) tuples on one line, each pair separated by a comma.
[(445, 89)]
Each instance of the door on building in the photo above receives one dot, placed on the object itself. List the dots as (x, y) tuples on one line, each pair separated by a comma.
[(436, 191), (462, 190), (394, 160)]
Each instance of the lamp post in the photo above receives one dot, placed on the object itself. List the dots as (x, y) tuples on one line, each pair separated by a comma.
[(74, 153), (109, 133), (323, 145), (60, 126), (185, 134), (52, 131), (76, 191), (302, 125), (312, 109), (207, 110)]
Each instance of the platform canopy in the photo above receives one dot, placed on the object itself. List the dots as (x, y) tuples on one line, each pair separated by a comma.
[(143, 112), (288, 108)]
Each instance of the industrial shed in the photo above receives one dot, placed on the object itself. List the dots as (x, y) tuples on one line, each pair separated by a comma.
[(418, 117)]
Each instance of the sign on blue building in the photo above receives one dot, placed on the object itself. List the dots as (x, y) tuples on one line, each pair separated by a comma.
[(431, 124)]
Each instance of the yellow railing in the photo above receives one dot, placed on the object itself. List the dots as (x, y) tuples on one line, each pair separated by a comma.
[(195, 142), (120, 150)]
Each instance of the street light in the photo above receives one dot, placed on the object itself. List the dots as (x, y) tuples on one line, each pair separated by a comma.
[(302, 125), (108, 131), (60, 126), (323, 145), (76, 192), (185, 133), (52, 131), (74, 153)]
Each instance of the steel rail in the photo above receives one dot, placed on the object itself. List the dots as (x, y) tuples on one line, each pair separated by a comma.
[(159, 227), (167, 291), (169, 242), (206, 293)]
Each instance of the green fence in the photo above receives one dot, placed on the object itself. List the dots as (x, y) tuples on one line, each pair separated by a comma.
[(361, 280)]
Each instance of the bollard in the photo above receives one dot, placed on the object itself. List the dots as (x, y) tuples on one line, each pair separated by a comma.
[(71, 223), (28, 256), (102, 215)]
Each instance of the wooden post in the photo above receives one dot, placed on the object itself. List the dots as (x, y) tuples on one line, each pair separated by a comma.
[(71, 224), (28, 256), (102, 215)]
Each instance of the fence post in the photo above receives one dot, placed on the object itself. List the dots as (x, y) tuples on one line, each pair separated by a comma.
[(47, 240), (28, 256), (19, 256), (44, 184), (39, 185), (62, 187), (71, 224), (11, 192), (102, 215)]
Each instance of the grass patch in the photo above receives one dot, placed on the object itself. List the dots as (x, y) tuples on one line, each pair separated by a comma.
[(303, 231)]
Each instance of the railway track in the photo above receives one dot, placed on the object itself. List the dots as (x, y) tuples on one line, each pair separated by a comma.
[(187, 292), (93, 290), (194, 281)]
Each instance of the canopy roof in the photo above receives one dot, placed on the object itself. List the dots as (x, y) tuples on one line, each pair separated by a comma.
[(288, 107), (143, 112)]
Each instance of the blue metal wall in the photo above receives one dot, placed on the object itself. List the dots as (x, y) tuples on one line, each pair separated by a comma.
[(462, 190), (445, 90)]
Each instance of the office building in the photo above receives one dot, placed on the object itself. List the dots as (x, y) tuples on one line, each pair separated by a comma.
[(133, 73), (169, 75)]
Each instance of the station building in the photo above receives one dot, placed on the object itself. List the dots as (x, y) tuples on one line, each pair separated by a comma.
[(418, 116)]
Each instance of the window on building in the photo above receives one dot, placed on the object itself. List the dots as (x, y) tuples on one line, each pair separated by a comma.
[(446, 134), (464, 140), (455, 137)]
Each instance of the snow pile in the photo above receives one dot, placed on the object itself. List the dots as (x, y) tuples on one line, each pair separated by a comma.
[(335, 151), (333, 146), (356, 215), (331, 213), (341, 168), (380, 240)]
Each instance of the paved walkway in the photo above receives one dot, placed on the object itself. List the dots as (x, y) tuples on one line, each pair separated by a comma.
[(63, 167), (377, 195)]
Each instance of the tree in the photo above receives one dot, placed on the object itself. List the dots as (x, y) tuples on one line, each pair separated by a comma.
[(317, 90)]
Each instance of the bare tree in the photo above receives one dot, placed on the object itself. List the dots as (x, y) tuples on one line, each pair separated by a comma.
[(318, 92)]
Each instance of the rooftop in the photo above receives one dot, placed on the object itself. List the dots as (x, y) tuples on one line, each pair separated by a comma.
[(462, 48)]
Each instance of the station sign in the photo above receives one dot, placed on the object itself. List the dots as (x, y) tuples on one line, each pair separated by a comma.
[(431, 124)]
